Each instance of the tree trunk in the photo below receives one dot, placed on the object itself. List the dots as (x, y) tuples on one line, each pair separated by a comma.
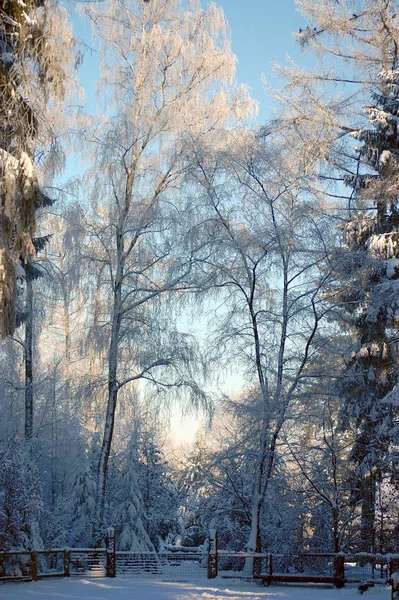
[(266, 456), (109, 421), (255, 542), (96, 318), (112, 389), (105, 452), (253, 565), (335, 528), (368, 514), (54, 439), (28, 349), (67, 334)]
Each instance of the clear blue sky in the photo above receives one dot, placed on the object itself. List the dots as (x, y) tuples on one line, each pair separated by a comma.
[(261, 31)]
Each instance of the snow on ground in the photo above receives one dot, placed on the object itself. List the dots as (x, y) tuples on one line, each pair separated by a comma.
[(123, 589)]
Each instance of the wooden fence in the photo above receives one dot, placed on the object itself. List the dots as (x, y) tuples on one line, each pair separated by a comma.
[(183, 565), (28, 566)]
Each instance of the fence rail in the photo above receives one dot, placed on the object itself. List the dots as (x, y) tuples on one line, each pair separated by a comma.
[(361, 567), (168, 566), (179, 565), (24, 565), (88, 562)]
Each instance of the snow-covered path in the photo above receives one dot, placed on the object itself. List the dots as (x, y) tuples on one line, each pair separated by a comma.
[(124, 589)]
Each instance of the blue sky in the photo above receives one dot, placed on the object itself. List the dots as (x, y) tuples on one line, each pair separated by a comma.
[(261, 31)]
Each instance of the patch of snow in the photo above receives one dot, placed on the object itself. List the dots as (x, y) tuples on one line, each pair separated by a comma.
[(383, 245), (392, 266), (117, 589), (385, 157), (376, 115), (363, 352)]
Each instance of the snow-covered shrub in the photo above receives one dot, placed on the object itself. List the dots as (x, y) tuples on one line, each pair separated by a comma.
[(20, 502)]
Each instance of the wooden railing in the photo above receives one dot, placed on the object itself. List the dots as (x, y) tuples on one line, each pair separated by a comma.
[(335, 569), (39, 564)]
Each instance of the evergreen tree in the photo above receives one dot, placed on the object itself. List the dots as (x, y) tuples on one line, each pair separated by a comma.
[(83, 504), (36, 48), (356, 42), (368, 269), (130, 515), (20, 502), (159, 494)]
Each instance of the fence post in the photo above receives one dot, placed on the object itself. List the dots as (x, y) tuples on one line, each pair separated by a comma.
[(339, 571), (111, 549), (213, 554), (67, 562), (256, 566), (34, 565)]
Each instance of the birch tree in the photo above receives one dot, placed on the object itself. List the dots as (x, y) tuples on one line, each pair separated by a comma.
[(265, 241), (167, 75)]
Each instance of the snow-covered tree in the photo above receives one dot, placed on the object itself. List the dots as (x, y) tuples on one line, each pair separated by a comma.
[(130, 513), (216, 484), (369, 268), (263, 238), (321, 476), (194, 493), (218, 479), (32, 272), (35, 69), (167, 76), (83, 505), (158, 490), (362, 37), (20, 501)]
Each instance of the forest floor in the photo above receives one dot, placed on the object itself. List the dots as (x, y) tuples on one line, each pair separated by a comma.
[(124, 589)]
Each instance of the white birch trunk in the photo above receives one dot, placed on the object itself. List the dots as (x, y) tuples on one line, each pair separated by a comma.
[(67, 331), (112, 386)]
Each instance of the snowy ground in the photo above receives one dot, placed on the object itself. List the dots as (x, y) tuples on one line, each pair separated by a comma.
[(123, 589)]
